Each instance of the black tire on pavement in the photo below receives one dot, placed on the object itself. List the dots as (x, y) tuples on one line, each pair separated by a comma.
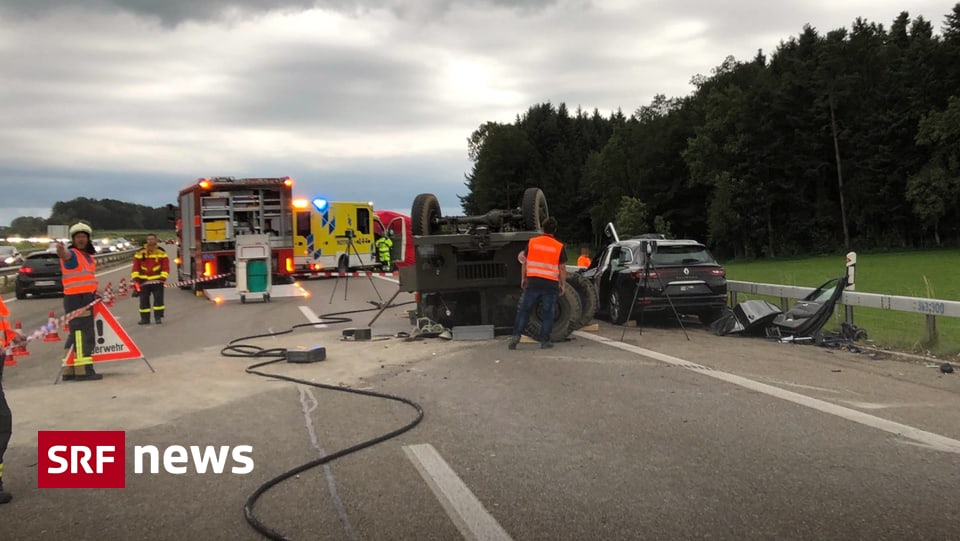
[(534, 208), (588, 297), (566, 317), (423, 216)]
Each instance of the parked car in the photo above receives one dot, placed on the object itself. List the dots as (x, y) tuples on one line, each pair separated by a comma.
[(681, 271), (39, 274), (10, 256)]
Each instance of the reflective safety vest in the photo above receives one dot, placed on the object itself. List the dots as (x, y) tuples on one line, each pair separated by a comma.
[(543, 258), (83, 278), (383, 247)]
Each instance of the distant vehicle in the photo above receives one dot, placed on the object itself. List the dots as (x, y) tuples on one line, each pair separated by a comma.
[(322, 233), (10, 256), (684, 270), (39, 274)]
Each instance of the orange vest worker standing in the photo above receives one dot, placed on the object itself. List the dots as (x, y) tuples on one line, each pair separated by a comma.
[(7, 337), (543, 279), (79, 289)]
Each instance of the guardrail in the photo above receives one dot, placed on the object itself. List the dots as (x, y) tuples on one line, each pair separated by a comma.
[(10, 275), (931, 308)]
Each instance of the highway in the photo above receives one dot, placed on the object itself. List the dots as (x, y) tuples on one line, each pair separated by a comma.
[(654, 437)]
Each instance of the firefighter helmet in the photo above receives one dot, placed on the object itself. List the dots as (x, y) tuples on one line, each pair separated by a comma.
[(81, 228)]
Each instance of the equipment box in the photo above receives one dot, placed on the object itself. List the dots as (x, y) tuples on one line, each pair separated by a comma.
[(253, 266)]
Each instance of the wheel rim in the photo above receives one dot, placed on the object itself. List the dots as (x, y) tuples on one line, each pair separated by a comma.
[(614, 305)]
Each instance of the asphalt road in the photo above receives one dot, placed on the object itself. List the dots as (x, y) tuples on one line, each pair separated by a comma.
[(655, 437)]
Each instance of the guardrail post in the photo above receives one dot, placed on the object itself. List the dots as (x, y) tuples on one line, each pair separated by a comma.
[(851, 283), (784, 304), (733, 298), (932, 336)]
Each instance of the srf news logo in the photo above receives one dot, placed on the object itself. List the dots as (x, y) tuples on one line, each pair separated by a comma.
[(97, 459)]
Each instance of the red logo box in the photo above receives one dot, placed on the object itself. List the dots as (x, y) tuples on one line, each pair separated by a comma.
[(81, 459)]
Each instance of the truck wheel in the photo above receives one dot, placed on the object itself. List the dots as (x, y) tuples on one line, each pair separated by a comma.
[(343, 266), (425, 214), (588, 297), (534, 209), (566, 317)]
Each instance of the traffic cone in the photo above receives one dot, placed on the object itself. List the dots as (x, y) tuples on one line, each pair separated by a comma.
[(52, 335), (108, 295), (122, 289), (19, 350)]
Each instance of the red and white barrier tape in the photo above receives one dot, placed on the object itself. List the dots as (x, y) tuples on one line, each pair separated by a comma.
[(346, 274), (106, 297), (184, 282), (51, 327)]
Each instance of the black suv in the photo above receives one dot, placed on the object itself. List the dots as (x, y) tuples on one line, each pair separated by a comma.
[(651, 268)]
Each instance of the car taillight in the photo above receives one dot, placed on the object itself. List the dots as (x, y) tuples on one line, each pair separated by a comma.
[(718, 272), (638, 275), (26, 270)]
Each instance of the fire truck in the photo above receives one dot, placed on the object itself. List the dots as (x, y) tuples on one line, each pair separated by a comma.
[(213, 212)]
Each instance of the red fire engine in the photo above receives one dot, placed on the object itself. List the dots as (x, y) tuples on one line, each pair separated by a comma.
[(214, 211)]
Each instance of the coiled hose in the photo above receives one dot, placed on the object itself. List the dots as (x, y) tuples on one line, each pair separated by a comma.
[(276, 355)]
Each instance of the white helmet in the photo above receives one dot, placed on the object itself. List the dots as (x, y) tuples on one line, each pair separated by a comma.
[(81, 228)]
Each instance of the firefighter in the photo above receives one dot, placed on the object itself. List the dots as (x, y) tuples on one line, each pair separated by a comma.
[(79, 270), (584, 260), (384, 245), (543, 279), (151, 266), (7, 338)]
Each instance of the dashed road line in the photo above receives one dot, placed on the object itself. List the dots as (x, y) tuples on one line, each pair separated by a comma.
[(464, 509)]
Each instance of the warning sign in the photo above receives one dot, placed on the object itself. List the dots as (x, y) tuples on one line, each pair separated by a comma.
[(112, 343)]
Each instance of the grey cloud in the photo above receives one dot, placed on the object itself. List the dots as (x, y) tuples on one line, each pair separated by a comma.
[(171, 13), (324, 86)]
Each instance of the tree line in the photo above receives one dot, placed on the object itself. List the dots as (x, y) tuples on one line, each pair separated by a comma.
[(101, 214), (848, 139)]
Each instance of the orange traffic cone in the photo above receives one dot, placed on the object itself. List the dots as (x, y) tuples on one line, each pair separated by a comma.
[(51, 335), (19, 350), (122, 289), (108, 295)]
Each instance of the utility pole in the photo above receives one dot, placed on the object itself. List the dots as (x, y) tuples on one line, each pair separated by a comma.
[(836, 149)]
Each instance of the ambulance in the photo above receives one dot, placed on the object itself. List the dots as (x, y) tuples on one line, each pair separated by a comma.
[(332, 236)]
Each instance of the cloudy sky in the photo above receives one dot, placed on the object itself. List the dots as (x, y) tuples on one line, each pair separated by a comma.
[(362, 100)]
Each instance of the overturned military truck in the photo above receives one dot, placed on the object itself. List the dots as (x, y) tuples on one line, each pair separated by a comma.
[(467, 269)]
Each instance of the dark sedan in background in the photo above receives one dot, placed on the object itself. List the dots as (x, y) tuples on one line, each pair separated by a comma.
[(40, 274)]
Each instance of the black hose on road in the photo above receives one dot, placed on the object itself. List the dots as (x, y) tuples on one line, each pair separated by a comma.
[(276, 355)]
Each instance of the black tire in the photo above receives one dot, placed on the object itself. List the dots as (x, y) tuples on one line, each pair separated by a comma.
[(534, 209), (21, 294), (566, 317), (588, 297), (619, 307), (343, 266), (425, 214)]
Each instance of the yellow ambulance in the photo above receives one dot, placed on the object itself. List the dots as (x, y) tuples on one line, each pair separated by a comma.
[(332, 236)]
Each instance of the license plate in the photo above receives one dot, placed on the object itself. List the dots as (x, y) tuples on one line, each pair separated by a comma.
[(45, 283)]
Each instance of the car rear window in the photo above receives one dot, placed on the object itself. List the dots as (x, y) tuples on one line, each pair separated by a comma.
[(682, 255), (43, 255)]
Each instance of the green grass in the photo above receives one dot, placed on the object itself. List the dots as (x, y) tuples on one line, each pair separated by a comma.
[(929, 274)]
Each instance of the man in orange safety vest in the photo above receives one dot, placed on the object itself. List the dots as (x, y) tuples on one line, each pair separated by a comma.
[(8, 337), (543, 279)]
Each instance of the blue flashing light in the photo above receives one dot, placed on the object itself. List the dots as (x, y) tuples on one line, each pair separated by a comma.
[(321, 204)]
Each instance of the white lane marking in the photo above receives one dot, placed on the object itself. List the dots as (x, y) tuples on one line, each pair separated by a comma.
[(464, 509), (112, 270), (934, 441), (309, 403), (312, 317)]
